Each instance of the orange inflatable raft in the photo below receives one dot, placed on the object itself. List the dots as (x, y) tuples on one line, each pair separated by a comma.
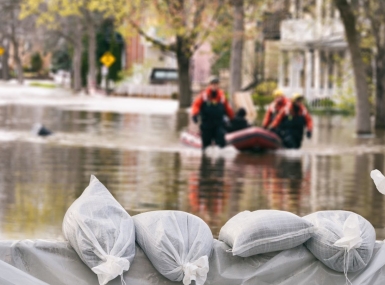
[(253, 138)]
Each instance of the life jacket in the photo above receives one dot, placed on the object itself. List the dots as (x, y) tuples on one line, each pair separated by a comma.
[(276, 107), (273, 110)]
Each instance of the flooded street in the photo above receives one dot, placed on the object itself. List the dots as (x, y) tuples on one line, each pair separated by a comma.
[(137, 155)]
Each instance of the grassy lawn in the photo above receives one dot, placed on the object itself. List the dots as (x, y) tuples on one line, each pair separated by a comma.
[(44, 85)]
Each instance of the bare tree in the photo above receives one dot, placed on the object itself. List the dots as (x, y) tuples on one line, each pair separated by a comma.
[(91, 21), (70, 30), (12, 29), (237, 46), (375, 13), (4, 59), (348, 17), (189, 24)]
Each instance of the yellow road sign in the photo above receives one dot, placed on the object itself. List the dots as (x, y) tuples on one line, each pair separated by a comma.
[(2, 50), (107, 59)]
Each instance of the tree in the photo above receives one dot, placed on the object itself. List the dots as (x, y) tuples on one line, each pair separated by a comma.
[(375, 13), (348, 17), (36, 62), (61, 59), (184, 26), (237, 46), (244, 15), (12, 29), (85, 16)]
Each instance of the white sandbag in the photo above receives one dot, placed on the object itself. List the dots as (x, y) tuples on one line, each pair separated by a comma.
[(178, 244), (343, 240), (379, 180), (101, 232), (250, 233)]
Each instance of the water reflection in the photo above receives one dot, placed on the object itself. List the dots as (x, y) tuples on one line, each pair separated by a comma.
[(208, 191), (40, 179)]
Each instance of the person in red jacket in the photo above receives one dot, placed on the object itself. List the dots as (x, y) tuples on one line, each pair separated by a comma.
[(212, 107), (280, 101), (291, 122)]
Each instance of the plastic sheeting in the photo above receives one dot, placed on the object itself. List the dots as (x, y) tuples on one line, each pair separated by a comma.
[(10, 275), (56, 263)]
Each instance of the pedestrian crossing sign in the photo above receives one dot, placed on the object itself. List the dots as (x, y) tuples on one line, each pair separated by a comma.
[(107, 59)]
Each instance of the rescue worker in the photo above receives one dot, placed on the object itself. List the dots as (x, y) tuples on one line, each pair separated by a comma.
[(280, 101), (291, 122), (239, 122), (212, 107)]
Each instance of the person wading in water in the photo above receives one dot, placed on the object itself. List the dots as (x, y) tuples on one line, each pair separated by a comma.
[(212, 107)]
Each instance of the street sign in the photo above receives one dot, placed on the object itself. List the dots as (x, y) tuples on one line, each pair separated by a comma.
[(107, 59), (2, 50), (104, 70)]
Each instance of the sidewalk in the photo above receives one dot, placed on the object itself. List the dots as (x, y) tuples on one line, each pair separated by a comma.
[(11, 94)]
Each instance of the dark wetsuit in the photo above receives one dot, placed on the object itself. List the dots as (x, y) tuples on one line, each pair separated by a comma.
[(237, 124), (290, 124), (213, 124), (212, 110)]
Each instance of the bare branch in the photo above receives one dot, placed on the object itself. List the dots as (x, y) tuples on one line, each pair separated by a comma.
[(208, 31), (161, 45)]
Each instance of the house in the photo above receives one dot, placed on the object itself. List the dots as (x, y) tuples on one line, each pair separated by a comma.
[(313, 57), (261, 49), (145, 60), (142, 57)]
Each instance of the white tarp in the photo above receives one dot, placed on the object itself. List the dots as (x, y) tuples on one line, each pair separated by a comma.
[(10, 275), (56, 263)]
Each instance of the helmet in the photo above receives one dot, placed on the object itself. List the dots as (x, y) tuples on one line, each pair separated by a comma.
[(296, 96), (278, 93), (213, 80)]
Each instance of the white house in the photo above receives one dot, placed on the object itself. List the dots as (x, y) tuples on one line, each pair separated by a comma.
[(314, 59)]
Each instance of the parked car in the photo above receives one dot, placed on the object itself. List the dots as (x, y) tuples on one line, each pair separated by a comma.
[(164, 76)]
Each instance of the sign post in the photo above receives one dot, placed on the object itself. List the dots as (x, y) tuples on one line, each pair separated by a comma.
[(107, 59), (2, 51)]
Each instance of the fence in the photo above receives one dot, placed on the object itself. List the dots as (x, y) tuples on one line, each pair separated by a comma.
[(147, 91)]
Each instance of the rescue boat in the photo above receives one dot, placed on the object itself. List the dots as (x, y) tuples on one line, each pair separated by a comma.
[(253, 138)]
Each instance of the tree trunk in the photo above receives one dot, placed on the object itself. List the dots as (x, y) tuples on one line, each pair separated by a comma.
[(362, 94), (16, 57), (77, 65), (183, 55), (91, 79), (4, 63), (380, 89), (237, 48)]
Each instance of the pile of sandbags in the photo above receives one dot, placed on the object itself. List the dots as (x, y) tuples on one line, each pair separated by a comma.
[(179, 245), (103, 234)]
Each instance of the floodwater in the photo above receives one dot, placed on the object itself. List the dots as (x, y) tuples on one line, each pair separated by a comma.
[(140, 160)]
